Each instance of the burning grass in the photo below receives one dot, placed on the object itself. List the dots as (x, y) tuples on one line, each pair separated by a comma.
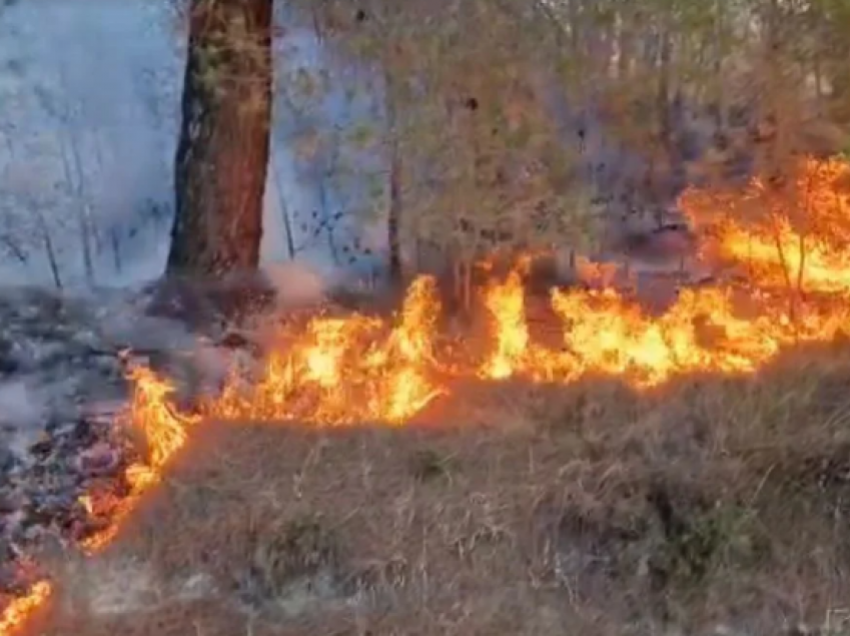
[(666, 477), (528, 509)]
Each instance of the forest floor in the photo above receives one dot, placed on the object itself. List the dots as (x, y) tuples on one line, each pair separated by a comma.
[(713, 505)]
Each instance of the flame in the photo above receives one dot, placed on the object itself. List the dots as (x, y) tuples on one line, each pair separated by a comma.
[(164, 432), (19, 611), (795, 247), (346, 370), (793, 240), (794, 236), (605, 333), (506, 304), (793, 243)]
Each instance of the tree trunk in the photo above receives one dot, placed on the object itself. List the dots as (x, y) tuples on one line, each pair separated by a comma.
[(394, 220), (778, 112), (394, 212), (665, 124), (818, 73), (722, 101), (287, 221), (49, 249), (624, 47), (223, 153)]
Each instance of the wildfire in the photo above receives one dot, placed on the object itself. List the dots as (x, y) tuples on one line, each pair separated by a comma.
[(345, 370), (794, 246), (793, 236), (20, 610), (163, 432), (791, 243)]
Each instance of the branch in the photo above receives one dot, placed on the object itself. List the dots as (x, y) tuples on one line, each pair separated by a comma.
[(14, 248)]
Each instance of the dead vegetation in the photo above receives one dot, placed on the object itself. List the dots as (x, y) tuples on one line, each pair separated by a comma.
[(588, 509)]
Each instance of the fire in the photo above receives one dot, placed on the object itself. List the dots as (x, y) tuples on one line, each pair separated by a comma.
[(789, 242), (345, 370), (20, 610), (164, 432), (506, 304), (793, 245), (602, 332), (354, 369), (794, 236)]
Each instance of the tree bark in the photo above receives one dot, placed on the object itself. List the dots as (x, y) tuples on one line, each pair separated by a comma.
[(665, 123), (625, 39), (394, 220), (223, 152), (395, 204)]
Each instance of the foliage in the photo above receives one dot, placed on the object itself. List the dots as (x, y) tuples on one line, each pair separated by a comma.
[(505, 173), (483, 167), (486, 163)]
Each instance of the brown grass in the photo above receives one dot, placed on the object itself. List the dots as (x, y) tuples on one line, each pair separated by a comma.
[(541, 511)]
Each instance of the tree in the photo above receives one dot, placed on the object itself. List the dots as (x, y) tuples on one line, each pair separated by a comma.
[(223, 152), (473, 159), (479, 122), (379, 34)]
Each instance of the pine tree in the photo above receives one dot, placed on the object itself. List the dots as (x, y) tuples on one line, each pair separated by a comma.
[(223, 151)]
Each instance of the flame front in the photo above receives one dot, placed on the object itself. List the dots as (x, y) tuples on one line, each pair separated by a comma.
[(793, 244), (794, 247), (787, 237), (346, 370), (604, 333), (19, 611), (164, 433)]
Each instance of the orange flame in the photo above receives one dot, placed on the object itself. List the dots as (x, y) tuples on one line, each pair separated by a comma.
[(506, 304), (346, 370), (16, 615), (793, 236), (604, 333), (164, 433)]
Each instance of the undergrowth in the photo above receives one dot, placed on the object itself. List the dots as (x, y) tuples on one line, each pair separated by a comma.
[(712, 504)]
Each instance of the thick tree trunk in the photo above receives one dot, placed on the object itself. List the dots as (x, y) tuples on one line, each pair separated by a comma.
[(223, 153)]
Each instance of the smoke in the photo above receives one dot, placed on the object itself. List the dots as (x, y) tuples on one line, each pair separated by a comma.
[(91, 102), (297, 284)]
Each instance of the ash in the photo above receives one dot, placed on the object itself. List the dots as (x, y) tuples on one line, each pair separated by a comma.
[(62, 393)]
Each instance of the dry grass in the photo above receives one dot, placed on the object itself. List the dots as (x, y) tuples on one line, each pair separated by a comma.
[(540, 511)]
